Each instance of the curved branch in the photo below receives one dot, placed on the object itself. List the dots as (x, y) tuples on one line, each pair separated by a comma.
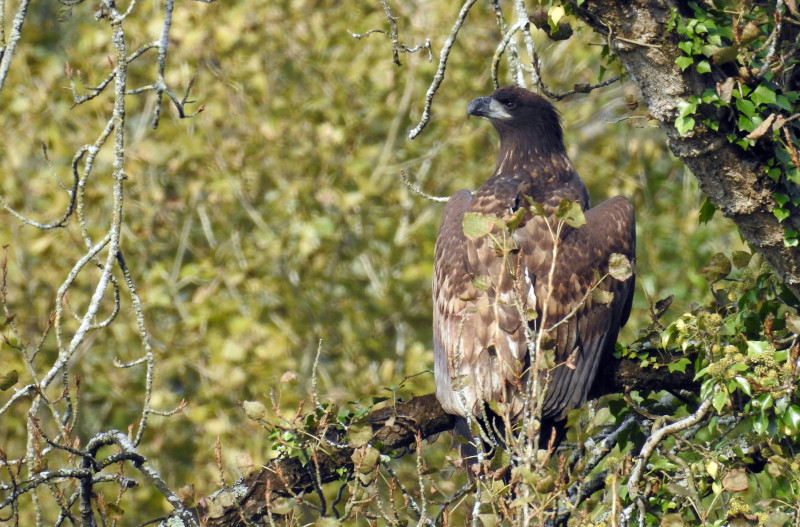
[(439, 77)]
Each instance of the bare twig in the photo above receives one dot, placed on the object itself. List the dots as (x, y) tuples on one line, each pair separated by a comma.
[(439, 76), (10, 46), (649, 446), (419, 192)]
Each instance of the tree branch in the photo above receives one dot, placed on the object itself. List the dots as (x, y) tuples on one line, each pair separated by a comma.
[(395, 428)]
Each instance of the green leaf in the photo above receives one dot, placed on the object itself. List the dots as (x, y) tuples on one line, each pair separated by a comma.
[(709, 96), (679, 365), (791, 417), (8, 379), (571, 212), (686, 108), (740, 259), (745, 107), (477, 225), (684, 124), (703, 67), (707, 210), (774, 173), (686, 46), (790, 237), (780, 213), (620, 267), (516, 219), (763, 94), (763, 401), (536, 208), (760, 423), (684, 62), (782, 199), (743, 384), (720, 400)]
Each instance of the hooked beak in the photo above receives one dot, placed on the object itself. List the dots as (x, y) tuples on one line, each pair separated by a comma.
[(487, 107)]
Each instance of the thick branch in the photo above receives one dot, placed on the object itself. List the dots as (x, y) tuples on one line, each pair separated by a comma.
[(395, 429), (733, 180)]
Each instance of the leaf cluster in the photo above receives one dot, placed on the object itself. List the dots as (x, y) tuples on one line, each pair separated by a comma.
[(749, 53)]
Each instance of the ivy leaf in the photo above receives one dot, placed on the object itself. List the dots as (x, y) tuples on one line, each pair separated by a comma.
[(477, 225), (747, 108), (782, 199), (678, 365), (790, 237), (684, 62), (684, 124), (780, 213), (744, 384), (686, 46), (704, 67), (760, 424), (763, 94), (619, 267), (719, 401), (791, 417), (687, 108)]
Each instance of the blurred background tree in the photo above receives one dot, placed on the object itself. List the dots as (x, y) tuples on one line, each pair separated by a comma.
[(275, 223)]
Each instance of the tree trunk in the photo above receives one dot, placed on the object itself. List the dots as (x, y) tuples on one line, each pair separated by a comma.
[(734, 180)]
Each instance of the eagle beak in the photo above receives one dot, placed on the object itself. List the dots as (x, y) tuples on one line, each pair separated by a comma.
[(489, 108)]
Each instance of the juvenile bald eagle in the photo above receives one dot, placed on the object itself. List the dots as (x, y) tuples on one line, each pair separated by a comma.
[(487, 289)]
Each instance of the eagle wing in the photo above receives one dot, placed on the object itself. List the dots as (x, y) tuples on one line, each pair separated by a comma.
[(582, 326), (482, 296)]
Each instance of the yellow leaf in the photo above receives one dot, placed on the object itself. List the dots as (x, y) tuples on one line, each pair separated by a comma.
[(556, 13)]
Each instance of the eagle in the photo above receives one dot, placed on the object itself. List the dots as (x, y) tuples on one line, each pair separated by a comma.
[(501, 291)]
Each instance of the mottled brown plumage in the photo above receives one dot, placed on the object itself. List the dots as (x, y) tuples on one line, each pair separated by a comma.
[(481, 296)]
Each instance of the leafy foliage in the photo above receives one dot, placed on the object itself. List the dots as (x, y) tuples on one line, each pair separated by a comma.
[(755, 107), (276, 218)]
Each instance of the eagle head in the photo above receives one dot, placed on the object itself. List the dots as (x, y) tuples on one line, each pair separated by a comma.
[(521, 116)]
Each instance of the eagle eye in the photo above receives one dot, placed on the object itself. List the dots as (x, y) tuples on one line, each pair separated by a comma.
[(511, 105)]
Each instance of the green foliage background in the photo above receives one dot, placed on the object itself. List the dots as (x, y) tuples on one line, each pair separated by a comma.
[(277, 217)]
